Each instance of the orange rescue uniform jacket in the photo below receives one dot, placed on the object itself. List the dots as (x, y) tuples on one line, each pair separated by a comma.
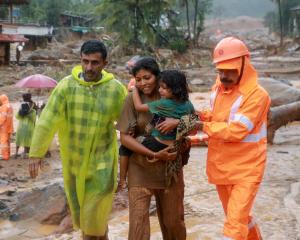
[(6, 116), (236, 126)]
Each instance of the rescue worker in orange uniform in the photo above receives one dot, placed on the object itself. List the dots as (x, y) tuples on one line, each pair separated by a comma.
[(6, 126), (237, 145)]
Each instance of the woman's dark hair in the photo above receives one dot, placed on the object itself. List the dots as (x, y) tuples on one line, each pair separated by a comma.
[(94, 46), (176, 82), (27, 97), (146, 63)]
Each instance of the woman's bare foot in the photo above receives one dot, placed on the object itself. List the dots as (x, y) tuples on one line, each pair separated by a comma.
[(122, 185)]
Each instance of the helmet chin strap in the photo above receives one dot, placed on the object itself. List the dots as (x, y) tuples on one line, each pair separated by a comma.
[(242, 70)]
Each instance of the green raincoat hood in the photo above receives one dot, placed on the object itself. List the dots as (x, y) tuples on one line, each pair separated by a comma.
[(77, 72)]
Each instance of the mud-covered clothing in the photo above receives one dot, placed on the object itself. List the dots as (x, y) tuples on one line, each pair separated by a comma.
[(25, 128), (84, 114)]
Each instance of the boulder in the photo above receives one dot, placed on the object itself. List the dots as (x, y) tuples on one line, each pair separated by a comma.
[(47, 205)]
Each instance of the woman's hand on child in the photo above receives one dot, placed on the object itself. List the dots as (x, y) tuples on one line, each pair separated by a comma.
[(166, 154), (168, 125)]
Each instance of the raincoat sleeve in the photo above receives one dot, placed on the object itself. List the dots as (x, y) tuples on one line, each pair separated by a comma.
[(49, 122), (251, 113)]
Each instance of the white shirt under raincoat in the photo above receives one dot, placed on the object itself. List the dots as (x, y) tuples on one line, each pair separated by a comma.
[(84, 114)]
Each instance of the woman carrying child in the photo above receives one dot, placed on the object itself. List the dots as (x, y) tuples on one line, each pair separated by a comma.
[(146, 167)]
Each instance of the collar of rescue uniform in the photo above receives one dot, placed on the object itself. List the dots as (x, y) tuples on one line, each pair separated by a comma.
[(248, 80), (77, 72)]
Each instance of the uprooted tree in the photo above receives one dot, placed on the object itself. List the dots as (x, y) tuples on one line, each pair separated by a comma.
[(282, 115), (285, 105)]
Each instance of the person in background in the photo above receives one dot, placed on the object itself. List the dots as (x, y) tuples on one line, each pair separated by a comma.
[(27, 117), (129, 65), (83, 108), (19, 49), (237, 146), (6, 126)]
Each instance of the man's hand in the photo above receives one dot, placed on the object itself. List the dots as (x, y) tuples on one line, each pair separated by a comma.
[(34, 165), (168, 125)]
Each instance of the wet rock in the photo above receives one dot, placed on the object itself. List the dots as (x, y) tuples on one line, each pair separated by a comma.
[(65, 226), (46, 204), (14, 217), (3, 182), (4, 210)]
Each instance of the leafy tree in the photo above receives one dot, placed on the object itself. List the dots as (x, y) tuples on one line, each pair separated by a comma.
[(46, 11), (138, 22), (3, 12)]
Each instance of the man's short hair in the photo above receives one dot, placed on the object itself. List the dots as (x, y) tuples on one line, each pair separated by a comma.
[(94, 46)]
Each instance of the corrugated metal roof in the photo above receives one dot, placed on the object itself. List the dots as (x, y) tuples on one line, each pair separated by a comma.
[(297, 8), (12, 38)]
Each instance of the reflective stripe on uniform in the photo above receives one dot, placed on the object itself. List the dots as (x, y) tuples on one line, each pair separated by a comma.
[(256, 137), (213, 98), (244, 120), (234, 108)]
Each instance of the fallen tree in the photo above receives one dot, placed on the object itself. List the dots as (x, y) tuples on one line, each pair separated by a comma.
[(280, 116)]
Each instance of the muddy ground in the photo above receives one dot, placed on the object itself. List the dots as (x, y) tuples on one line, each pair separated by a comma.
[(24, 202)]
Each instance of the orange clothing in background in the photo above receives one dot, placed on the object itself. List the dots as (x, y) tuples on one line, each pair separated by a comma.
[(6, 126), (237, 147)]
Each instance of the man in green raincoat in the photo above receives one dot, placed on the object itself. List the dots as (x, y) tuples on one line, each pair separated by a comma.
[(83, 109)]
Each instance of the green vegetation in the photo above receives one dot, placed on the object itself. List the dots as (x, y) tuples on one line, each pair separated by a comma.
[(142, 24)]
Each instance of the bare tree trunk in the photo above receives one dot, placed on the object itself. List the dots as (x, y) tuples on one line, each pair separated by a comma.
[(195, 21), (280, 116), (280, 22), (136, 25), (188, 17)]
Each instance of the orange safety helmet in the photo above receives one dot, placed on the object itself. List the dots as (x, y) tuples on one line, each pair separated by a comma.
[(229, 48)]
